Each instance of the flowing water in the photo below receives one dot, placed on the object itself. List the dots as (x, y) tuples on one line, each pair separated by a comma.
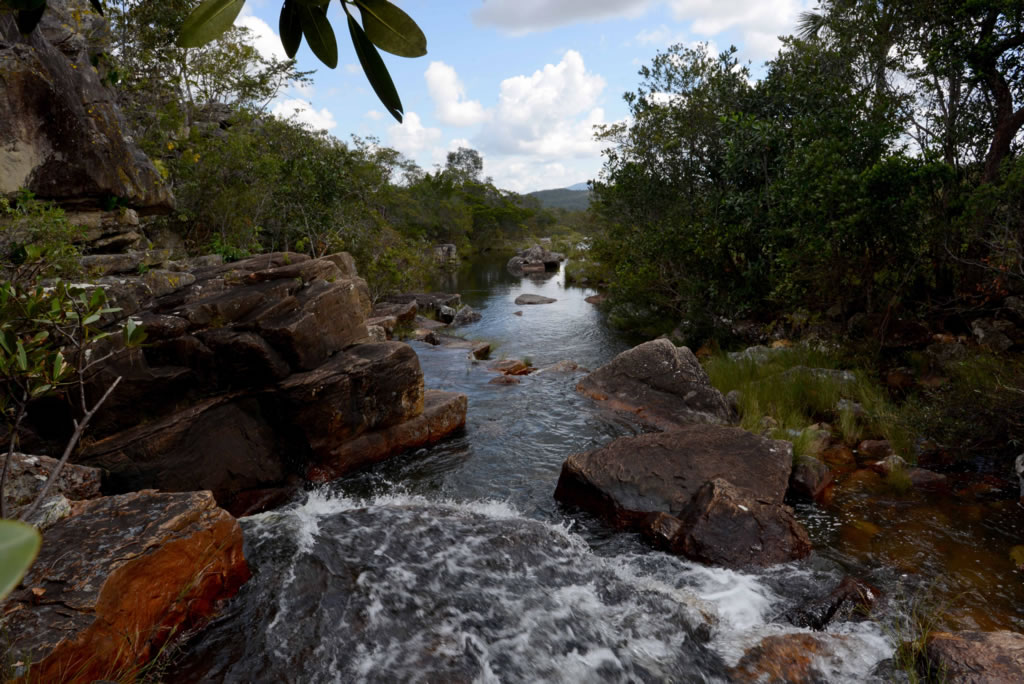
[(455, 564)]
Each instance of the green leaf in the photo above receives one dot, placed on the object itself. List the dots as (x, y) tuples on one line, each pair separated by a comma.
[(91, 319), (391, 29), (22, 357), (208, 21), (19, 545), (28, 19), (290, 28), (376, 72), (319, 33)]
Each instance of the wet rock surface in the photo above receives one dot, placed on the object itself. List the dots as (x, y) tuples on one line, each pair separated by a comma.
[(976, 657), (533, 299), (661, 384), (118, 579), (536, 259)]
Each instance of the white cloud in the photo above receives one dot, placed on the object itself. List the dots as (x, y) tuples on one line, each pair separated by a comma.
[(353, 68), (758, 22), (411, 136), (262, 37), (374, 115), (448, 94), (304, 112), (523, 16)]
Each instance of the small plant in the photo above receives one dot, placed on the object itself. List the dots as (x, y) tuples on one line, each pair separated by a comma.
[(909, 631), (528, 362)]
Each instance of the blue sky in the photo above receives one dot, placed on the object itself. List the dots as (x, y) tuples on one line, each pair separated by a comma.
[(521, 81)]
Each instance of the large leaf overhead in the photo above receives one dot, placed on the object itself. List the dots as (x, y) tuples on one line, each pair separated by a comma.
[(19, 545), (391, 29), (290, 28), (376, 72), (319, 33), (209, 21)]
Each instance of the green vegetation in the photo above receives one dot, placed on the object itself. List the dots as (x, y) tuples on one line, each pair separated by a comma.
[(870, 169), (19, 545)]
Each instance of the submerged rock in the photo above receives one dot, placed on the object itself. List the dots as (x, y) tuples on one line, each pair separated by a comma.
[(527, 299), (116, 581), (790, 658), (851, 599), (661, 384), (976, 657)]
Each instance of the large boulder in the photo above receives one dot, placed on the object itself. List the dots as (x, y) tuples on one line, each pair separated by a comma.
[(527, 299), (976, 657), (116, 581), (663, 385), (729, 526), (533, 260), (631, 477), (62, 135)]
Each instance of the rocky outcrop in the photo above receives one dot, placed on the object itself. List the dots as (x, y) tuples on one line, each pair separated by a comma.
[(976, 657), (252, 374), (119, 579), (62, 135), (661, 384), (711, 493), (26, 477), (536, 259)]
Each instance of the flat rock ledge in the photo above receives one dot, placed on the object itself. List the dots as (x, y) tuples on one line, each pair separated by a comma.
[(443, 413), (662, 385), (709, 492), (976, 657), (117, 581)]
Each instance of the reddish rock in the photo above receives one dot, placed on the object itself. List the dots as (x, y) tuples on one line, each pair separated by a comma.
[(839, 456), (810, 478), (510, 367), (443, 413), (874, 449), (505, 380), (977, 657), (660, 472), (729, 526), (119, 579), (480, 351), (789, 658), (596, 299), (661, 384)]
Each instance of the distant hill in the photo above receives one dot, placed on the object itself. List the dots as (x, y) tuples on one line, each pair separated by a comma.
[(575, 198), (579, 186)]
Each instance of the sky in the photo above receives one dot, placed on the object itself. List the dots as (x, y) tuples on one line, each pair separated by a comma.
[(523, 82)]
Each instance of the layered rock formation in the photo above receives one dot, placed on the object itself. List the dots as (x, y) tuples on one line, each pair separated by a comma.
[(253, 373), (61, 134), (116, 581), (536, 259)]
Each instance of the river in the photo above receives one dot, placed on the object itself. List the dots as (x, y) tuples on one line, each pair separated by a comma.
[(455, 563)]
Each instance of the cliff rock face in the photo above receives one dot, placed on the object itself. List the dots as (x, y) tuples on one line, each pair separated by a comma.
[(115, 581), (62, 135)]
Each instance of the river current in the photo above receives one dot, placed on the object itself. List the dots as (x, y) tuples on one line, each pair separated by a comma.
[(455, 563)]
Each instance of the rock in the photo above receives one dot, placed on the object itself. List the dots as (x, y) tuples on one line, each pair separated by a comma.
[(810, 478), (425, 302), (839, 456), (850, 599), (888, 464), (432, 338), (526, 299), (877, 449), (534, 259), (161, 282), (789, 658), (466, 315), (945, 354), (510, 367), (401, 312), (1018, 468), (62, 135), (976, 657), (926, 479), (480, 351), (517, 313), (663, 385), (758, 354), (445, 254), (106, 264), (376, 333), (504, 380), (119, 579), (564, 366), (994, 335), (631, 477), (27, 475), (597, 299), (446, 314), (443, 413)]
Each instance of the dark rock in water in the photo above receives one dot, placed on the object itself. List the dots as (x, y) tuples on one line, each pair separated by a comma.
[(729, 526), (661, 384), (596, 299), (661, 472), (466, 315), (851, 599), (810, 478), (62, 135), (425, 302), (505, 380), (510, 367), (480, 351), (446, 314), (976, 657), (350, 591), (113, 583), (525, 299), (533, 260)]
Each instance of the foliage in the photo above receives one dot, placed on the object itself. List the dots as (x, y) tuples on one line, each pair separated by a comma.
[(19, 545)]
